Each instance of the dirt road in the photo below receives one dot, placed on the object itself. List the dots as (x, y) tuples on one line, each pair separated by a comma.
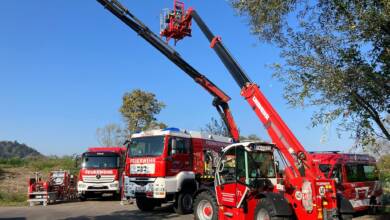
[(99, 210)]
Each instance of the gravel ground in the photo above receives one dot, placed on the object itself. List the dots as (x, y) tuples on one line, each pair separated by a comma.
[(101, 210)]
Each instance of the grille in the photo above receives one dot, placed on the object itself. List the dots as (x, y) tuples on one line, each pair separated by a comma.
[(102, 179)]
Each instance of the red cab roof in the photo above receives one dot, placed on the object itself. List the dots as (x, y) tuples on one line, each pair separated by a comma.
[(115, 149), (332, 157)]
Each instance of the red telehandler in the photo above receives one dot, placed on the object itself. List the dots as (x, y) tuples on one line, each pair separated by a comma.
[(253, 180)]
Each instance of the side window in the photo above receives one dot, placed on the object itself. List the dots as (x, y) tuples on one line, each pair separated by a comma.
[(227, 168), (325, 168), (240, 168), (182, 145), (280, 163), (336, 172)]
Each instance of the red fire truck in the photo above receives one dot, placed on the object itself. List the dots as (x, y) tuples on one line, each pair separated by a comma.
[(101, 172), (60, 186), (356, 175), (167, 165)]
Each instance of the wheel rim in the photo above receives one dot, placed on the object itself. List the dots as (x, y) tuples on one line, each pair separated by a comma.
[(205, 210), (262, 215), (187, 201)]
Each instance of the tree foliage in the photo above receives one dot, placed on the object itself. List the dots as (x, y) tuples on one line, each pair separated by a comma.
[(251, 137), (216, 127), (139, 109), (111, 135), (337, 57)]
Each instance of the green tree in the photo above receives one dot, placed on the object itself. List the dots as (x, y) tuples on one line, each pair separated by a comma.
[(139, 109), (336, 56), (111, 135)]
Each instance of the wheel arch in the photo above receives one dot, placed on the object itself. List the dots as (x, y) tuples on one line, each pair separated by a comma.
[(344, 206), (277, 202)]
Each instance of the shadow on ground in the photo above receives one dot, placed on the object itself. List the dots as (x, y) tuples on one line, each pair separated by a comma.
[(159, 213)]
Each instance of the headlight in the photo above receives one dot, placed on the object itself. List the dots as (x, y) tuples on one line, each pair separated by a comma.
[(114, 185)]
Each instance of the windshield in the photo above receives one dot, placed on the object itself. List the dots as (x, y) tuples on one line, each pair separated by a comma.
[(146, 146), (261, 165), (100, 162), (361, 172)]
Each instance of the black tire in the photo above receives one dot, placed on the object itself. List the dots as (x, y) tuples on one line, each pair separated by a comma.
[(145, 204), (346, 217), (183, 204), (202, 204), (263, 211), (82, 198)]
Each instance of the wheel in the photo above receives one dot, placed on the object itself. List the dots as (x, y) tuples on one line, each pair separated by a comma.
[(145, 204), (264, 212), (346, 217), (183, 203), (205, 207)]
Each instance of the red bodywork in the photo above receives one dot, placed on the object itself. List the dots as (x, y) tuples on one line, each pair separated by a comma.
[(191, 161), (177, 23), (362, 193), (121, 151), (59, 186), (95, 175)]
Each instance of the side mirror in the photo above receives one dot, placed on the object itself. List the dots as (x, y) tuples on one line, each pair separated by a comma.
[(277, 166), (174, 145)]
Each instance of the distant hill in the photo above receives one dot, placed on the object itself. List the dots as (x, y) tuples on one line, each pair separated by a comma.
[(9, 149)]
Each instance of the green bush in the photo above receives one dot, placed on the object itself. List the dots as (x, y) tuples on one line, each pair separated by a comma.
[(53, 163), (13, 162)]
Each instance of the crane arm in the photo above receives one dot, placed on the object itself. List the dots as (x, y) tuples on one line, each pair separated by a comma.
[(220, 98), (277, 129)]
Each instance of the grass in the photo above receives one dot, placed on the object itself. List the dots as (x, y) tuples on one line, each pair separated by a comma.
[(13, 199), (41, 164)]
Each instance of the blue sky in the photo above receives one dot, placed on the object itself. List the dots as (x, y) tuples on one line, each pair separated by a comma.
[(65, 65)]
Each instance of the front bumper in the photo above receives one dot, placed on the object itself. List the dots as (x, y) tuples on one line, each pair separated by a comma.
[(83, 187), (149, 187)]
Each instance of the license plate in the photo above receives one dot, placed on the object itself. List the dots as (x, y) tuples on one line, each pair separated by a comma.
[(140, 189)]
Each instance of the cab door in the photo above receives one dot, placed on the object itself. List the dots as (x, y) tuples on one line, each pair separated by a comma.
[(179, 150), (231, 177)]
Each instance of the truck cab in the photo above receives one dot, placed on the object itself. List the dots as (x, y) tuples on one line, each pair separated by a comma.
[(253, 180), (356, 176), (165, 166), (101, 172)]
